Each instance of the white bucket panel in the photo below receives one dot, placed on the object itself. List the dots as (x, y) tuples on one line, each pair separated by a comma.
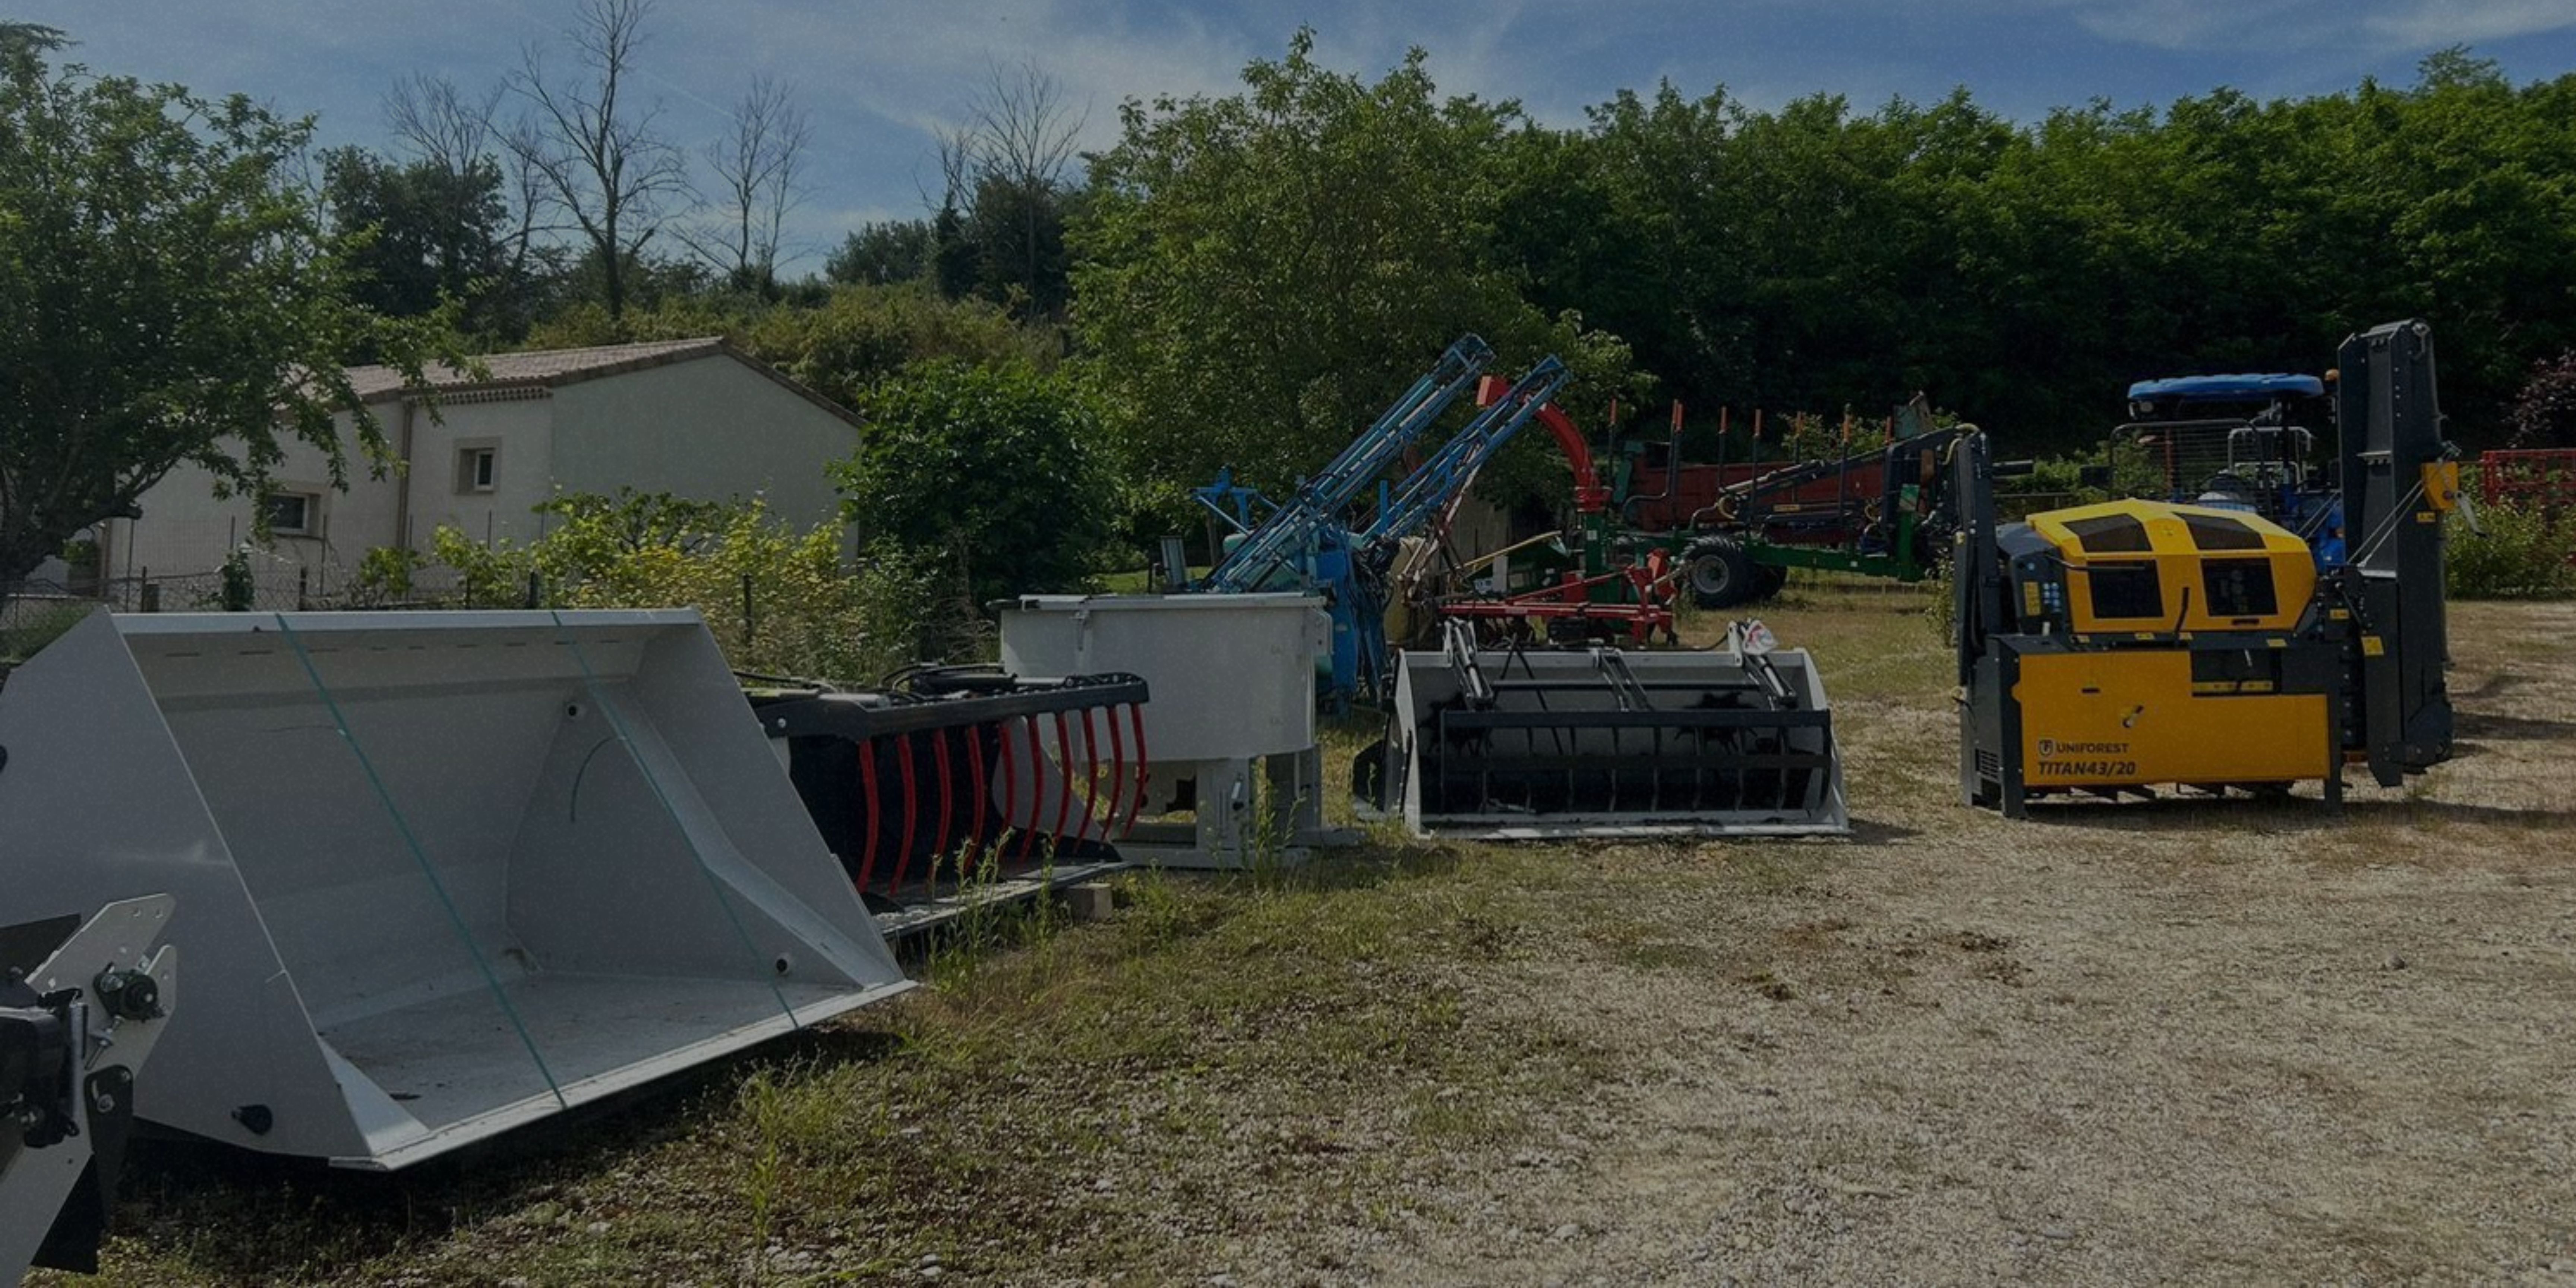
[(590, 797), (1233, 676)]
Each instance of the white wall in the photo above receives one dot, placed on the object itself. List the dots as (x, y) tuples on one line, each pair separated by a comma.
[(521, 430), (710, 429), (185, 530)]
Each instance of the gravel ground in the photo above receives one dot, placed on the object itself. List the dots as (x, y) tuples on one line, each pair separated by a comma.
[(2175, 1041)]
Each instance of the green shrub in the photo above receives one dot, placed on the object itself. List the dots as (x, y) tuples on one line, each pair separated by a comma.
[(38, 627), (840, 346), (997, 473), (487, 576), (2059, 480), (384, 575), (2517, 553), (779, 600), (235, 591)]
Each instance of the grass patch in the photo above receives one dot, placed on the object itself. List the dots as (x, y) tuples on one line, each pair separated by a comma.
[(1235, 1047)]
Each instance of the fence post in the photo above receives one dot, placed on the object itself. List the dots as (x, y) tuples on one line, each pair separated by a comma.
[(532, 588), (746, 612), (301, 576)]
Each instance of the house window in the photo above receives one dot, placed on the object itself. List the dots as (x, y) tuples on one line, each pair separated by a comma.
[(294, 514), (475, 467)]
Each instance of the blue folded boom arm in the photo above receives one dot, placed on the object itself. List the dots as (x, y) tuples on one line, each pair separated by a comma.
[(1289, 535), (1306, 542)]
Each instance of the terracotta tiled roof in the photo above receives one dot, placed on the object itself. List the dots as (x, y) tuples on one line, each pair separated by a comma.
[(546, 368), (540, 366)]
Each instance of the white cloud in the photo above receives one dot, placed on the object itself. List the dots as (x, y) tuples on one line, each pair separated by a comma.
[(2201, 24), (2433, 24)]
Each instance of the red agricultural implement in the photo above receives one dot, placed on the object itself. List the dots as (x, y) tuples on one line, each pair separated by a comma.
[(960, 780), (2542, 479), (1598, 589), (1634, 602)]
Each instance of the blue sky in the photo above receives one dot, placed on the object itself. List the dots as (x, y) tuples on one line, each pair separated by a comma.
[(878, 75)]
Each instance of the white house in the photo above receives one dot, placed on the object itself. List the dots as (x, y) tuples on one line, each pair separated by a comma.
[(695, 418)]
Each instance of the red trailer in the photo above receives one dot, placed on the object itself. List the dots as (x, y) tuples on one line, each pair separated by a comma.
[(2543, 479), (1801, 511)]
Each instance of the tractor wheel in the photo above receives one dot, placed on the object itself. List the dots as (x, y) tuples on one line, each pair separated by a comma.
[(1768, 579), (1719, 573)]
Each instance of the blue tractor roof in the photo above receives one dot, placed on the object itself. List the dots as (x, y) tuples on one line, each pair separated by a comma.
[(2226, 388)]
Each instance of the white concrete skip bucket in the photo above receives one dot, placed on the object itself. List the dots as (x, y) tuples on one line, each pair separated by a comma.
[(439, 875), (1533, 744)]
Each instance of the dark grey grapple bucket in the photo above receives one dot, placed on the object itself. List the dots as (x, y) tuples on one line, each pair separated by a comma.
[(1538, 744)]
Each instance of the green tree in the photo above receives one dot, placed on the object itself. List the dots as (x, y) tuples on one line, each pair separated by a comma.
[(1259, 274), (882, 254), (424, 234), (995, 471), (176, 297), (32, 37)]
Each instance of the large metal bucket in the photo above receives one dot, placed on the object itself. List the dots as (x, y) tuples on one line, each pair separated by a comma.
[(1528, 744), (439, 875)]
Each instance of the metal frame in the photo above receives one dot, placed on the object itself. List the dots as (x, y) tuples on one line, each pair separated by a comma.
[(940, 794), (73, 1117), (1304, 545)]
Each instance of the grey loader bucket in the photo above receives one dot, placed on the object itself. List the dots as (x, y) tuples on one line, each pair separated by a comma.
[(1530, 744), (439, 875)]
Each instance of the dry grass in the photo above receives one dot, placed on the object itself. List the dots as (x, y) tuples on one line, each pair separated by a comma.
[(2231, 1042)]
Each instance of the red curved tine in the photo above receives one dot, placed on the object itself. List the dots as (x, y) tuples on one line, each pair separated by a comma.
[(1064, 772), (868, 797), (1010, 785), (1090, 776), (911, 800), (978, 803), (1117, 775), (947, 790), (1037, 787), (1136, 718)]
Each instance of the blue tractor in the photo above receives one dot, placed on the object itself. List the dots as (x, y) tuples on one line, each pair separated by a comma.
[(2237, 442)]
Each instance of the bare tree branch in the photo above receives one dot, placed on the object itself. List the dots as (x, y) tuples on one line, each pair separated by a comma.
[(1026, 128), (594, 154), (961, 163), (442, 124), (1024, 134), (759, 165)]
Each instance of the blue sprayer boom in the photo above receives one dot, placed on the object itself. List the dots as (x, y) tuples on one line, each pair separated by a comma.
[(1309, 543)]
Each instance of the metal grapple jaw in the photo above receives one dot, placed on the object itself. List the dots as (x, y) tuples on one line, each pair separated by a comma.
[(1521, 744)]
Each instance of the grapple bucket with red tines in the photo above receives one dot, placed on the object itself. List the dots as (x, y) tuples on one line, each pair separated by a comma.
[(957, 785)]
